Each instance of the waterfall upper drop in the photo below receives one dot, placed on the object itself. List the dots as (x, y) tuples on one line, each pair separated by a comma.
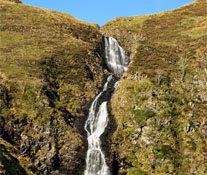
[(116, 61), (116, 58)]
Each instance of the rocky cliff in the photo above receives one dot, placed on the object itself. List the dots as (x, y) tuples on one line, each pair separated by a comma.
[(51, 69)]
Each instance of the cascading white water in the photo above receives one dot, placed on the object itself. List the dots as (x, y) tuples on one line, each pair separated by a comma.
[(97, 121), (95, 126), (115, 57)]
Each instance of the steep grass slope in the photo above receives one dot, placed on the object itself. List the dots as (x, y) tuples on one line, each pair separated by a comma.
[(160, 105), (49, 73)]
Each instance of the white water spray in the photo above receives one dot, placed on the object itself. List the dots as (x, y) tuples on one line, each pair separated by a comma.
[(97, 121), (115, 57)]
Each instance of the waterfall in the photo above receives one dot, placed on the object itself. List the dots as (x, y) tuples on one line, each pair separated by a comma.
[(116, 58), (117, 61), (95, 126)]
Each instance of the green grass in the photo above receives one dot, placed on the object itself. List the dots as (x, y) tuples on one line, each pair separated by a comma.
[(167, 35), (30, 34), (142, 116), (49, 71), (167, 38), (49, 68), (33, 39)]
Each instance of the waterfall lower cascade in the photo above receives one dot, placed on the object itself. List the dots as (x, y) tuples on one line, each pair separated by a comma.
[(116, 61)]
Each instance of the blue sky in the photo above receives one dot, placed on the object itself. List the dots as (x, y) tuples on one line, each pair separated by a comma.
[(102, 11)]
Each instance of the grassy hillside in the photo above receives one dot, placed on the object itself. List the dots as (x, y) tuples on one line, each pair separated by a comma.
[(49, 73), (160, 105)]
